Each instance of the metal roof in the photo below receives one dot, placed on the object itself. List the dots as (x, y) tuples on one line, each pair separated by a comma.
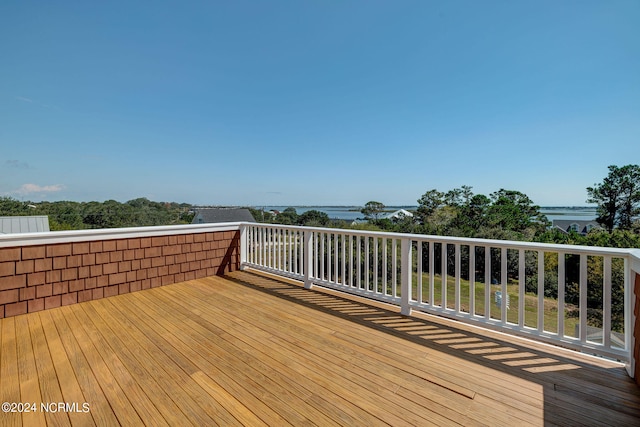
[(24, 224)]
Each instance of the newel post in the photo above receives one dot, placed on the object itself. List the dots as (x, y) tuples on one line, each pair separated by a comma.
[(307, 259), (405, 277), (244, 245), (634, 313)]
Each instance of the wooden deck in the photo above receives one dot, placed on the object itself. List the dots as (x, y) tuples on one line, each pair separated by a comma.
[(246, 349)]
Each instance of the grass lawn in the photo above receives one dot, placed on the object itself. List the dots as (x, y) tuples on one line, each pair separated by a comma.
[(530, 303)]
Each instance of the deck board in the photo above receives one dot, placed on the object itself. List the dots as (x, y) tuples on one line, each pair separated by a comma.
[(27, 373), (249, 349), (65, 376), (127, 378), (101, 410), (317, 349), (232, 387), (50, 382), (123, 409), (267, 333), (10, 389)]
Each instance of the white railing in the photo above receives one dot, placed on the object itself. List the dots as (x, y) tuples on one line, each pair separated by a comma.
[(575, 296)]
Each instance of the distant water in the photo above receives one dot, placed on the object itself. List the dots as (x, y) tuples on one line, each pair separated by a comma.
[(572, 213), (351, 213)]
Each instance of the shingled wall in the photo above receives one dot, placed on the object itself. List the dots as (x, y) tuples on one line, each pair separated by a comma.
[(37, 277)]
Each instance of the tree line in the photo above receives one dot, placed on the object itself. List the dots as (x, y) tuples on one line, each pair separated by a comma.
[(503, 214), (512, 215), (67, 215), (310, 218)]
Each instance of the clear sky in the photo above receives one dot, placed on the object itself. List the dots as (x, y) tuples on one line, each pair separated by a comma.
[(315, 102)]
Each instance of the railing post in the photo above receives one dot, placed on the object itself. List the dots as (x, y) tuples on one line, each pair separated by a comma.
[(633, 368), (405, 274), (307, 263), (244, 245)]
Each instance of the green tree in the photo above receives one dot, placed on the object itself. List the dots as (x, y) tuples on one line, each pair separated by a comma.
[(289, 217), (515, 211), (314, 218), (63, 215), (13, 207), (68, 215), (440, 221), (472, 215), (617, 197), (404, 224), (508, 214), (261, 215), (459, 196), (372, 210), (92, 215), (429, 203)]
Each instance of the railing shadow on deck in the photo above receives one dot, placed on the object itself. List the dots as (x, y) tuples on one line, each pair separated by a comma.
[(557, 374)]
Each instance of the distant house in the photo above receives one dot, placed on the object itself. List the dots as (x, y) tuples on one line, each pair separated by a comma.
[(24, 224), (214, 215), (580, 227), (399, 214)]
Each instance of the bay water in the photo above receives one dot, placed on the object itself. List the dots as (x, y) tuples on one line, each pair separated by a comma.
[(351, 213)]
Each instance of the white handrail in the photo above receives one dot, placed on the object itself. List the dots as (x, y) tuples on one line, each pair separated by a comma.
[(512, 244)]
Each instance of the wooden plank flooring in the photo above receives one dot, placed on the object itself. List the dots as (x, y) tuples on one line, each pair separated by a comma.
[(247, 349)]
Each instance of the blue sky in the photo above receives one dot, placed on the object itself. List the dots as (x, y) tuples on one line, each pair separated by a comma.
[(315, 102)]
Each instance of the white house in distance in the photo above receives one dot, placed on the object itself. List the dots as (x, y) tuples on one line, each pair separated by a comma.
[(24, 224), (580, 227), (399, 214)]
